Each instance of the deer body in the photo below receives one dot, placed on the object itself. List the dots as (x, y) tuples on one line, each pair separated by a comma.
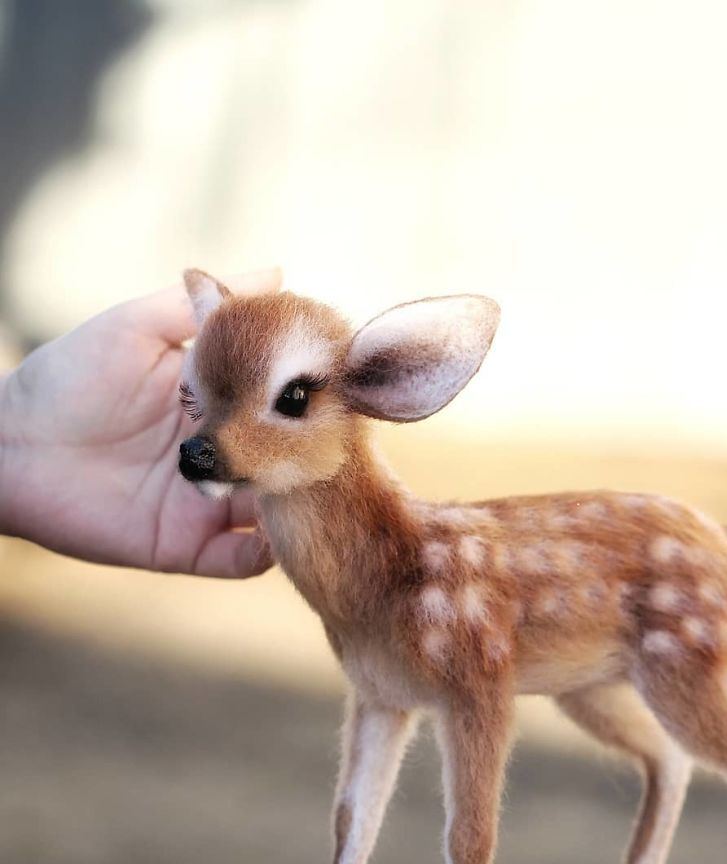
[(614, 604)]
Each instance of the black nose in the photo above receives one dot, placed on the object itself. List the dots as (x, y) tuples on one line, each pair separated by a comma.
[(197, 458)]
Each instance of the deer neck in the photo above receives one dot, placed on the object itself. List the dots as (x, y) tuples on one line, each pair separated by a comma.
[(338, 539)]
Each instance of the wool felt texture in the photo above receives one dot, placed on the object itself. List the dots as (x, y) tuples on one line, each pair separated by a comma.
[(614, 604)]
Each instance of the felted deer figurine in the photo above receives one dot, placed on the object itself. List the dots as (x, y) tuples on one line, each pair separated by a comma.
[(615, 604)]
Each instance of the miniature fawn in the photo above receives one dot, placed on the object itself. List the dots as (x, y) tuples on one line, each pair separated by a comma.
[(615, 604)]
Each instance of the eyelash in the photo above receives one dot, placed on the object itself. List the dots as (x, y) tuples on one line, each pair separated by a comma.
[(189, 403), (314, 382), (292, 405), (191, 407)]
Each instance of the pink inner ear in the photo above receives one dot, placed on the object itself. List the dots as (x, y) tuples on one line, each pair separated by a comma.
[(412, 360)]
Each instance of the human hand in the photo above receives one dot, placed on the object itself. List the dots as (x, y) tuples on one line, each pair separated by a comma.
[(90, 426)]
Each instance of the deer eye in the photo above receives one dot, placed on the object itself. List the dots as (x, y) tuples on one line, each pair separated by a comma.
[(293, 401)]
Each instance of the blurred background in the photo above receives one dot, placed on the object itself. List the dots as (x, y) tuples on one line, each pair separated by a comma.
[(565, 157)]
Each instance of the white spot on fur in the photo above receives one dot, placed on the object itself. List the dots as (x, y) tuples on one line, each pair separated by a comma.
[(571, 554), (302, 353), (283, 476), (498, 649), (560, 521), (533, 559), (594, 592), (697, 629), (472, 550), (664, 597), (465, 518), (435, 556), (660, 642), (549, 603), (436, 605), (635, 502), (666, 549), (435, 643), (593, 510), (625, 591), (216, 491), (502, 558), (711, 594), (472, 602)]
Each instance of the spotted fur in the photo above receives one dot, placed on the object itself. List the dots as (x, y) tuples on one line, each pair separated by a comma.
[(614, 604)]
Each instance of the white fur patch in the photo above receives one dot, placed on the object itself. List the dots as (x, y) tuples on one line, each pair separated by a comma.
[(594, 593), (660, 642), (664, 597), (436, 605), (558, 521), (472, 549), (302, 353), (502, 557), (435, 643), (571, 555), (472, 603), (435, 347), (435, 556), (213, 489), (697, 629), (533, 559), (466, 518), (498, 649), (711, 594), (625, 591), (595, 510), (549, 603), (666, 549), (282, 476), (636, 503)]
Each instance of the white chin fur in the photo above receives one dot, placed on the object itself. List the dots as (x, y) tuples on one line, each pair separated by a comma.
[(215, 490)]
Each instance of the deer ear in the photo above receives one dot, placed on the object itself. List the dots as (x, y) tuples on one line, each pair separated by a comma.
[(205, 292), (411, 361)]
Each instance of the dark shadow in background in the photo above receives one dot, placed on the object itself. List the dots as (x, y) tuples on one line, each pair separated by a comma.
[(51, 60), (109, 759)]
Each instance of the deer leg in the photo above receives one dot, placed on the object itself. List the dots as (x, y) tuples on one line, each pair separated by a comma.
[(618, 717), (474, 739), (374, 742)]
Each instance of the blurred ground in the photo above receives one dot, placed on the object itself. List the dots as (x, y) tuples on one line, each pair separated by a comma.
[(380, 152), (162, 718), (116, 760)]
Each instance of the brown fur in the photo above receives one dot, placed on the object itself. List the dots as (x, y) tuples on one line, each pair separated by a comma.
[(455, 609)]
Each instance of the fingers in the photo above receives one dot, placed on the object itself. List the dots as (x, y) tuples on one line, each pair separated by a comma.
[(235, 555), (167, 314)]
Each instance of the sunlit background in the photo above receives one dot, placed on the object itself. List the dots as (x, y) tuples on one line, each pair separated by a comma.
[(565, 157)]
